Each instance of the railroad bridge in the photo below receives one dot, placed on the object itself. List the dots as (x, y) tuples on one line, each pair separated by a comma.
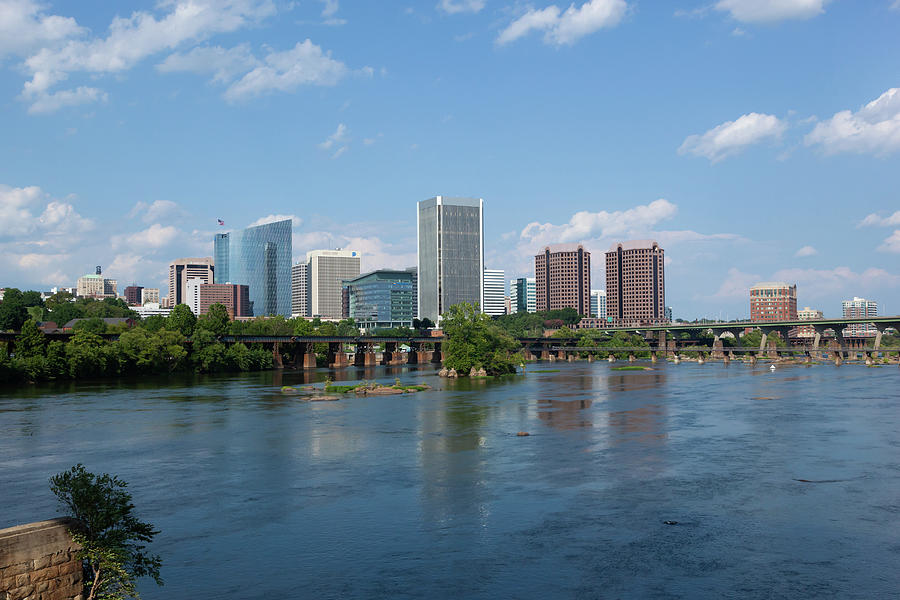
[(661, 340)]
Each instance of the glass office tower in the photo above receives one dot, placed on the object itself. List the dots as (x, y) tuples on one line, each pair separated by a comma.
[(451, 254), (259, 257)]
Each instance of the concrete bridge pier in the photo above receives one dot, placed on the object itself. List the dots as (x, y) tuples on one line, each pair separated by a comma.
[(337, 358), (726, 358), (753, 359), (277, 359), (545, 355), (437, 356), (631, 357), (838, 358), (590, 358), (653, 358), (869, 361), (571, 357), (552, 357), (412, 358), (611, 357), (561, 354)]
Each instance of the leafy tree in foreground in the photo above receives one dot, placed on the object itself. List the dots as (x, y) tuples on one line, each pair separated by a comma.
[(112, 538), (215, 320), (474, 341), (181, 319)]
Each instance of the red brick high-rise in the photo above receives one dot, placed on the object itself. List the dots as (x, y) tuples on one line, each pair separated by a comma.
[(773, 301), (636, 283), (563, 278)]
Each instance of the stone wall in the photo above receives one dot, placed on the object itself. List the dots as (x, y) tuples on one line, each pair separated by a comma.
[(37, 562)]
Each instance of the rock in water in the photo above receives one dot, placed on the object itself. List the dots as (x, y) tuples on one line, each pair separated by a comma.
[(670, 522), (482, 372), (442, 372), (452, 373), (473, 372), (523, 434)]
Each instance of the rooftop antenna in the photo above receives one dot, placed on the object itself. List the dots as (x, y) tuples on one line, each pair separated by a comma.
[(99, 270)]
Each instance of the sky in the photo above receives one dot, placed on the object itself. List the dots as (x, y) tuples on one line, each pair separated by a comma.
[(756, 140)]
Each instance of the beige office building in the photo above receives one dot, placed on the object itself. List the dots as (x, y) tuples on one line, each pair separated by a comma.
[(96, 286), (188, 268), (327, 271), (807, 314), (149, 296)]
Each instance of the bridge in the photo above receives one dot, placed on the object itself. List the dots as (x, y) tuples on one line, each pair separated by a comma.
[(301, 351)]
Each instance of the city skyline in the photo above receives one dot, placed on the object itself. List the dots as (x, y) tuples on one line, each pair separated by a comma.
[(731, 150)]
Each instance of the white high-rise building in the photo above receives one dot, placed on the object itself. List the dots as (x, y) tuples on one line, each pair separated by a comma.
[(450, 254), (523, 295), (494, 292), (327, 271), (856, 308), (598, 303), (300, 290)]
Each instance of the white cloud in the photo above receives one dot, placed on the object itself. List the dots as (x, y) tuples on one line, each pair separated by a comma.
[(29, 211), (891, 244), (736, 285), (805, 251), (46, 102), (305, 64), (770, 11), (584, 224), (153, 238), (565, 27), (818, 283), (25, 26), (452, 7), (274, 219), (876, 220), (224, 63), (158, 210), (337, 140), (732, 137), (329, 11), (132, 39), (874, 129)]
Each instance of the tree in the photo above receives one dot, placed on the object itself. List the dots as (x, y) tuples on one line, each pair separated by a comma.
[(563, 332), (12, 310), (181, 319), (93, 324), (31, 340), (113, 539), (215, 320), (474, 341), (347, 328)]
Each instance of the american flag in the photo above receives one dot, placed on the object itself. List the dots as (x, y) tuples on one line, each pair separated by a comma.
[(221, 222)]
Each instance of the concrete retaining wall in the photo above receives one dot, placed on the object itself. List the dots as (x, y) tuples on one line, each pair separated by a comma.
[(37, 562)]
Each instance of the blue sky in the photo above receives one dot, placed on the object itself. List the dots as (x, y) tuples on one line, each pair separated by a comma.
[(755, 139)]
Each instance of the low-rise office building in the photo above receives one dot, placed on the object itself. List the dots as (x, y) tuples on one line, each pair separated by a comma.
[(381, 299)]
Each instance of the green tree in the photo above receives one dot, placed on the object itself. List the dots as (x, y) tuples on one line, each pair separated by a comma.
[(86, 355), (181, 319), (347, 328), (92, 324), (154, 323), (564, 332), (207, 354), (113, 540), (216, 320), (12, 310), (474, 341), (31, 341)]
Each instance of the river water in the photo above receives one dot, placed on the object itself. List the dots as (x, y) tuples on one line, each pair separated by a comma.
[(259, 494)]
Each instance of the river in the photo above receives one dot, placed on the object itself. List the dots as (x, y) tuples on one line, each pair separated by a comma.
[(259, 494)]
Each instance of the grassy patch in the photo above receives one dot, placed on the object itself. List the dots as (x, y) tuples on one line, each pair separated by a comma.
[(340, 389), (631, 368)]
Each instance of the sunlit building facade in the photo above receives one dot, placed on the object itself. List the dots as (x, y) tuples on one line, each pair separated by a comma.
[(450, 254), (258, 257), (494, 292), (383, 298)]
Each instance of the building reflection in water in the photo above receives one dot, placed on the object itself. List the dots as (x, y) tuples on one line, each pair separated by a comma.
[(639, 420), (568, 409), (452, 458)]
